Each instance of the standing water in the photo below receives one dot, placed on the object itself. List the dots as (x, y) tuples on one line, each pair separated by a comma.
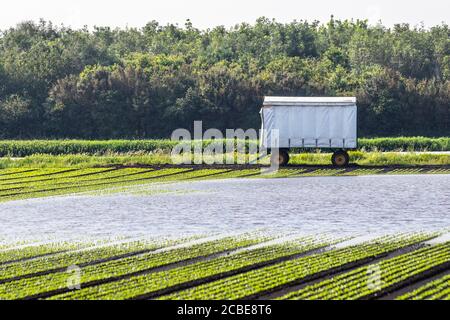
[(337, 205)]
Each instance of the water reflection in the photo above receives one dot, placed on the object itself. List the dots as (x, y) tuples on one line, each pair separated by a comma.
[(338, 205)]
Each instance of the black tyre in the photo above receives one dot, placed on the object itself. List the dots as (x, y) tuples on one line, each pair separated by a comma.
[(340, 158), (281, 159)]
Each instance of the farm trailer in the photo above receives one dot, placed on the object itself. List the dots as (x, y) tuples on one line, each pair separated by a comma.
[(309, 122)]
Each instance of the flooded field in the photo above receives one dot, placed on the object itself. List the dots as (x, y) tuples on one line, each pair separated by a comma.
[(337, 205)]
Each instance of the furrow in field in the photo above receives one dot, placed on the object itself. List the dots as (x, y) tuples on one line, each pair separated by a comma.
[(437, 289), (199, 174), (324, 172), (283, 173), (426, 273), (148, 285), (26, 184), (209, 174), (163, 175), (90, 256), (239, 173), (380, 278), (330, 275), (30, 252), (406, 171), (259, 282), (234, 265), (46, 285), (6, 173), (37, 174), (79, 173), (84, 176), (156, 175), (359, 172), (397, 294), (114, 174), (439, 171)]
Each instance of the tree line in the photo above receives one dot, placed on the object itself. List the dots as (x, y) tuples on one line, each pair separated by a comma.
[(59, 82)]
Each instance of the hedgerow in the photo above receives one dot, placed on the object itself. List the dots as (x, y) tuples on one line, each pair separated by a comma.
[(23, 148)]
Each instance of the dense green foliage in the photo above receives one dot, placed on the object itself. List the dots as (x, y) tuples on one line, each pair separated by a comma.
[(256, 282), (144, 83), (366, 281), (434, 290), (254, 264), (23, 148)]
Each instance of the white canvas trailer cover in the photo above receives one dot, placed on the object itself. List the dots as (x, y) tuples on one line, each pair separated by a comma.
[(310, 122)]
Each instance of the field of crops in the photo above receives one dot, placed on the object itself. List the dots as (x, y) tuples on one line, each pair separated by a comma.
[(22, 148), (253, 265), (24, 183)]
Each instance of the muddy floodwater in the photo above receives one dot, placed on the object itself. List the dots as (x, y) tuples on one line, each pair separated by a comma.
[(337, 205)]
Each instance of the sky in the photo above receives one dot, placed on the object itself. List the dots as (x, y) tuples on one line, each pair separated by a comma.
[(209, 13)]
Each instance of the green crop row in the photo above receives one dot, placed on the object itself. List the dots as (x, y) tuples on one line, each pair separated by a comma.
[(147, 283), (107, 180), (120, 267), (435, 290), (85, 256), (83, 177), (21, 175), (369, 280), (42, 178), (226, 268), (13, 172), (76, 186), (323, 172), (42, 181), (360, 172), (6, 245), (281, 173), (27, 252), (236, 174), (405, 171), (439, 171), (78, 177), (405, 144), (289, 272)]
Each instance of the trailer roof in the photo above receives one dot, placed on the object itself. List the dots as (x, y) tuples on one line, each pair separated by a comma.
[(308, 101)]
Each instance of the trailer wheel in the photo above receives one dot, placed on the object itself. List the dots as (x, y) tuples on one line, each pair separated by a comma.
[(340, 158), (281, 159)]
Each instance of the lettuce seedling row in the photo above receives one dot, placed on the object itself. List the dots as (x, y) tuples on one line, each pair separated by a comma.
[(150, 284), (272, 278), (246, 266), (375, 279), (97, 271), (18, 184), (435, 290)]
